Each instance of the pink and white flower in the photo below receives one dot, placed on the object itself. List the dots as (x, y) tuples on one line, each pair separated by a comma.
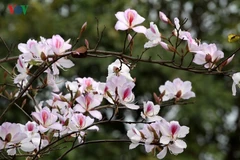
[(135, 136), (58, 45), (153, 35), (46, 120), (87, 103), (164, 18), (120, 89), (177, 89), (87, 84), (34, 139), (172, 133), (32, 51), (207, 54), (10, 137), (128, 20), (80, 122), (150, 111)]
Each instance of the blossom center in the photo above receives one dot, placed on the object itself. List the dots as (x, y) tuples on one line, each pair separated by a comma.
[(149, 108), (44, 116), (208, 58), (88, 100), (179, 94), (58, 44), (81, 121), (130, 16), (126, 93), (30, 127), (174, 128)]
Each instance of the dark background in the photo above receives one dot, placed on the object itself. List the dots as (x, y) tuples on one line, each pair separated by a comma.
[(214, 118)]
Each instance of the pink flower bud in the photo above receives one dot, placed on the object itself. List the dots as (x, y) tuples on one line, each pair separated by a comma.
[(164, 18), (164, 45)]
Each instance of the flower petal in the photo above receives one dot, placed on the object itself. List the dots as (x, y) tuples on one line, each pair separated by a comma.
[(120, 26), (132, 106), (96, 114), (162, 154), (165, 139), (180, 143), (140, 29), (133, 145)]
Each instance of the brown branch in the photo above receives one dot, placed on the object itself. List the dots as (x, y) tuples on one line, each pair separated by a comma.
[(167, 63), (94, 142), (7, 59), (105, 141)]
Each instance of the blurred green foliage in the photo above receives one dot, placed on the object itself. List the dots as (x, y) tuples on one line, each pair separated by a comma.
[(211, 136)]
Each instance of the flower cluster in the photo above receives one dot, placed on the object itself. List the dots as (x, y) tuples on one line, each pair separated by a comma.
[(205, 54), (77, 111), (26, 137), (35, 53), (160, 136)]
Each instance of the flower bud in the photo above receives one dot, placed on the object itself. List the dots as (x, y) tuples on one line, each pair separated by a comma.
[(164, 45), (84, 26), (164, 18), (226, 62), (43, 56), (208, 58)]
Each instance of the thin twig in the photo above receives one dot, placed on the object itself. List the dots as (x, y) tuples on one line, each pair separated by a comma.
[(8, 59), (37, 73)]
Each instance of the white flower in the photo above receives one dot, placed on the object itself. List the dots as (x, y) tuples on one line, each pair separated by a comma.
[(119, 68), (207, 54), (153, 35), (172, 133), (177, 89), (87, 103), (135, 136), (150, 111), (236, 80)]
